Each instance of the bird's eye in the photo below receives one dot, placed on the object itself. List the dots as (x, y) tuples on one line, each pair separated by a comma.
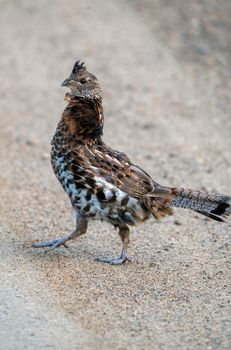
[(83, 81)]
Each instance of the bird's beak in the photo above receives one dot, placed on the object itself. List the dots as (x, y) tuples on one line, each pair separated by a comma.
[(65, 82)]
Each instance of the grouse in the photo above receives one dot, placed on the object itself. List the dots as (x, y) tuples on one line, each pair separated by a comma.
[(102, 183)]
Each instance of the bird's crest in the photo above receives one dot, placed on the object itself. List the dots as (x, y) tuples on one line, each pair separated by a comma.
[(79, 67)]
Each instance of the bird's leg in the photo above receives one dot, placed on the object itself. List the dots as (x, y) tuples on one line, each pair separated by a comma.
[(80, 229), (124, 235)]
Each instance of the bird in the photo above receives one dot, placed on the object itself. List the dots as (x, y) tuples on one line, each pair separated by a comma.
[(104, 184)]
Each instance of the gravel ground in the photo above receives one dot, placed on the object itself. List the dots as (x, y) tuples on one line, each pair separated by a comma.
[(165, 70)]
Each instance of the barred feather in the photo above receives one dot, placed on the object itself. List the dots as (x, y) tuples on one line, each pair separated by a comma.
[(215, 206)]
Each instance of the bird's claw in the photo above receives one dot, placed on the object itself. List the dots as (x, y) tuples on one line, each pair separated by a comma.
[(115, 261), (52, 244)]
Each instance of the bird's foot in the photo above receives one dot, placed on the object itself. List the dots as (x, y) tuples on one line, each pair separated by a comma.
[(52, 244), (116, 261)]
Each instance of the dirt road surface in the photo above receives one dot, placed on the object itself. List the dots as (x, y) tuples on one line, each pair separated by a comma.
[(165, 70)]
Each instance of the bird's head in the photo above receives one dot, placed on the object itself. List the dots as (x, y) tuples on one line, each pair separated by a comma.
[(82, 83)]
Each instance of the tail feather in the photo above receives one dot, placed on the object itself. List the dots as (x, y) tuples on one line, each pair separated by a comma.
[(211, 216), (215, 206)]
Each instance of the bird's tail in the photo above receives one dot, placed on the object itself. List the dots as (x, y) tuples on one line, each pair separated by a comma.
[(215, 206)]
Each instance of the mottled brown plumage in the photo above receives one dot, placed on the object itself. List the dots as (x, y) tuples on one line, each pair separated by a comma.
[(103, 183)]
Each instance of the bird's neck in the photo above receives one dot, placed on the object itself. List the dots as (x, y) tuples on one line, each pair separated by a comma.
[(82, 120)]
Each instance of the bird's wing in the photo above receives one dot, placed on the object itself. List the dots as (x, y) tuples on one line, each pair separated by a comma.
[(115, 168)]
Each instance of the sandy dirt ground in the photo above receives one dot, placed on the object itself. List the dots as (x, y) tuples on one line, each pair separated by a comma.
[(165, 70)]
